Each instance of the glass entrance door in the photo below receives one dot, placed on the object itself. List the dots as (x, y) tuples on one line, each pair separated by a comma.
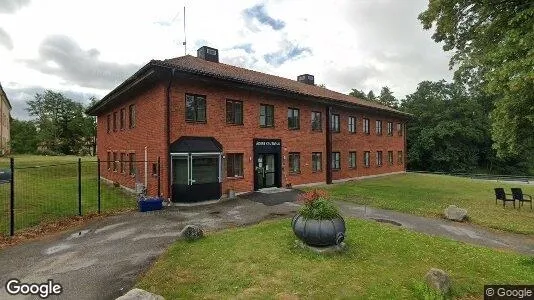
[(266, 171), (196, 177)]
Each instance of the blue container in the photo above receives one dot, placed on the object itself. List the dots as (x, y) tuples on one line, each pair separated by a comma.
[(150, 204)]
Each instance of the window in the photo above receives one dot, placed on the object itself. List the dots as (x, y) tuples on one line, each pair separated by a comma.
[(234, 112), (335, 123), (294, 162), (352, 159), (114, 161), (195, 108), (114, 121), (390, 158), (131, 111), (378, 127), (133, 169), (366, 129), (316, 161), (234, 165), (109, 124), (379, 158), (266, 115), (122, 162), (293, 119), (155, 169), (336, 161), (352, 124), (400, 157), (122, 118), (316, 120), (367, 159), (390, 128), (399, 128), (108, 162)]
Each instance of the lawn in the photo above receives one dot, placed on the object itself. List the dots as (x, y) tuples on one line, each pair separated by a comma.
[(46, 189), (429, 195), (382, 262)]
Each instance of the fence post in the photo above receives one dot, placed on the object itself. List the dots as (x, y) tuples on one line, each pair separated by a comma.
[(159, 180), (98, 182), (79, 186), (12, 198)]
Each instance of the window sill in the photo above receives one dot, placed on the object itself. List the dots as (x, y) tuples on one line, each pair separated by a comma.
[(352, 168), (336, 170), (316, 130), (233, 124), (294, 173), (195, 122), (266, 126), (293, 128), (235, 178)]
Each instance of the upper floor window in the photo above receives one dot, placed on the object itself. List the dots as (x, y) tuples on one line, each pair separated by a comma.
[(390, 128), (336, 161), (335, 123), (234, 112), (390, 157), (316, 121), (108, 123), (378, 127), (399, 128), (266, 115), (195, 108), (367, 158), (379, 158), (115, 121), (352, 124), (366, 128), (122, 118), (294, 162), (234, 165), (352, 159), (131, 112), (316, 161), (293, 118)]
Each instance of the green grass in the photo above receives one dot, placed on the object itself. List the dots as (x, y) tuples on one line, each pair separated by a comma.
[(382, 262), (429, 195), (46, 189)]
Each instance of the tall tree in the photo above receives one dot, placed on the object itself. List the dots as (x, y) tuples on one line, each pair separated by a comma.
[(493, 48), (386, 98), (23, 136), (358, 94), (371, 96)]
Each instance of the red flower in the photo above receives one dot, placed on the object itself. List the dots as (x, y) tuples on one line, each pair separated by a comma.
[(309, 197)]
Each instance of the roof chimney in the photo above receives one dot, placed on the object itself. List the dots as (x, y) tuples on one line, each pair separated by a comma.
[(208, 53), (306, 78)]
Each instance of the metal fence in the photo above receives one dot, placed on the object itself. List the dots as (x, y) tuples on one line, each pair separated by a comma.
[(32, 194), (520, 178)]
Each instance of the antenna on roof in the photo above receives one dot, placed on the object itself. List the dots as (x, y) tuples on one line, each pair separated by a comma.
[(185, 37)]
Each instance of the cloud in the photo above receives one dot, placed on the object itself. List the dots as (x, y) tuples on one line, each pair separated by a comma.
[(246, 47), (5, 40), (259, 14), (18, 95), (11, 6), (289, 51), (61, 56)]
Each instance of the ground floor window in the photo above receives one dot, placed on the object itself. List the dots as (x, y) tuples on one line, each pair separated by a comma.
[(294, 162), (390, 157), (336, 159), (114, 161), (108, 162), (316, 161), (379, 158), (133, 169), (234, 165), (352, 159), (122, 162), (367, 158), (399, 157)]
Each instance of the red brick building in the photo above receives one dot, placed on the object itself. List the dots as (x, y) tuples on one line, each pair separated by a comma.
[(217, 127)]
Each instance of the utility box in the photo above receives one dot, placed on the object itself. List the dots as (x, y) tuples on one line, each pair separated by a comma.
[(149, 203)]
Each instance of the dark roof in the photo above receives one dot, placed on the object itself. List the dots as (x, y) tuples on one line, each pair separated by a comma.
[(5, 96), (194, 65), (195, 144)]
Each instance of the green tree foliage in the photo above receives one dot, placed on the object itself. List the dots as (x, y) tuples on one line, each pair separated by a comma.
[(63, 127), (371, 96), (358, 94), (493, 49), (23, 137), (386, 98)]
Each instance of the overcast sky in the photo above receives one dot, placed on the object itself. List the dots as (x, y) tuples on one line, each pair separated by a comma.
[(87, 47)]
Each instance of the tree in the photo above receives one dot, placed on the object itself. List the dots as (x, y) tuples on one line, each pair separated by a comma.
[(386, 98), (371, 96), (493, 50), (358, 94), (23, 137)]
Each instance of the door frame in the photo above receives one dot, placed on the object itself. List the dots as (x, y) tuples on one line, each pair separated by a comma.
[(268, 146), (275, 171), (189, 156)]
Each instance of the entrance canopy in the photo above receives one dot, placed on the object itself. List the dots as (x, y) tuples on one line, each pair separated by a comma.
[(192, 144)]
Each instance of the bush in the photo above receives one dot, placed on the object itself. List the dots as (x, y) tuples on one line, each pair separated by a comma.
[(317, 206)]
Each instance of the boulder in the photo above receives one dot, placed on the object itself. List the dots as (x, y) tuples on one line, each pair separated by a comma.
[(192, 232), (455, 213), (438, 280), (139, 294)]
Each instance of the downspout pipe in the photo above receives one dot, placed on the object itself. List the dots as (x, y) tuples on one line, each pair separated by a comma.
[(328, 145), (168, 132)]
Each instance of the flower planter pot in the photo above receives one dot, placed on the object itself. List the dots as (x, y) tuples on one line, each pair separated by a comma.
[(320, 233)]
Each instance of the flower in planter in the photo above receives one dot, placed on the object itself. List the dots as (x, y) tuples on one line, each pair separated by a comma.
[(317, 205)]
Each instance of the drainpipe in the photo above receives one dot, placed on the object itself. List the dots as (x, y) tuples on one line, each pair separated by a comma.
[(146, 167), (328, 145), (167, 132)]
